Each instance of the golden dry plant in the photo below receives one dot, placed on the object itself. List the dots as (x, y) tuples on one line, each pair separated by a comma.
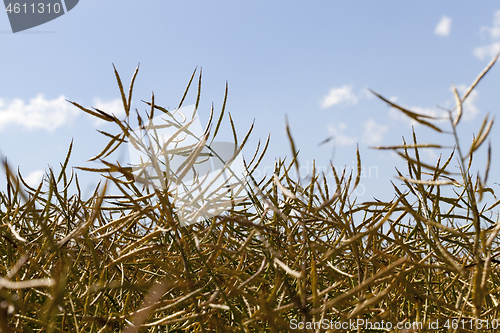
[(285, 256)]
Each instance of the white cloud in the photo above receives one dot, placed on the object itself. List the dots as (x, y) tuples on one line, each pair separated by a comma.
[(431, 154), (338, 137), (114, 106), (470, 110), (38, 113), (340, 95), (365, 93), (398, 115), (444, 27), (34, 178), (50, 114), (495, 30), (374, 133), (489, 51)]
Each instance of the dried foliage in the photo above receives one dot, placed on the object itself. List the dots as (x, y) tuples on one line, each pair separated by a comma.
[(288, 253)]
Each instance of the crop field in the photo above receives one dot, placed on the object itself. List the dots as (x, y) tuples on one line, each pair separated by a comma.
[(270, 254)]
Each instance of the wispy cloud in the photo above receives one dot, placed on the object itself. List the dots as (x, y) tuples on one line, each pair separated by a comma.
[(398, 115), (373, 133), (34, 178), (342, 95), (490, 50), (38, 113), (339, 137), (114, 106), (49, 114), (487, 51), (469, 107), (444, 27), (494, 31)]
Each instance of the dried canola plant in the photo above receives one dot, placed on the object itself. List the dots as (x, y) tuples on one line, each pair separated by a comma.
[(282, 256)]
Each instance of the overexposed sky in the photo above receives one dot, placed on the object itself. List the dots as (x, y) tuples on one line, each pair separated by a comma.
[(311, 61)]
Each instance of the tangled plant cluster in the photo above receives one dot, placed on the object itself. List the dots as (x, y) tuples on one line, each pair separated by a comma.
[(287, 254)]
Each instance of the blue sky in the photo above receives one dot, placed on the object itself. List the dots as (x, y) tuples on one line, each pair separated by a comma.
[(311, 61)]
